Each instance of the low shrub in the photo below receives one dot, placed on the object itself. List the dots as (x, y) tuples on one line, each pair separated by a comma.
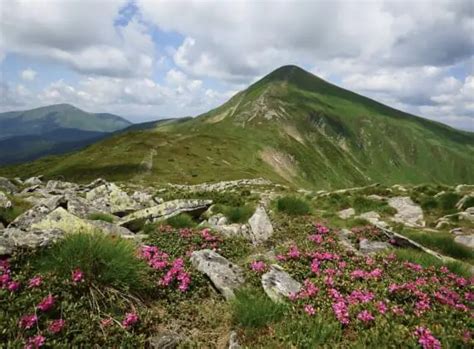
[(239, 214), (253, 309), (293, 205), (105, 260), (182, 220), (428, 203), (448, 201), (101, 217)]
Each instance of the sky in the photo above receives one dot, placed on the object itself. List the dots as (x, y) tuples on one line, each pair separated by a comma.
[(146, 60)]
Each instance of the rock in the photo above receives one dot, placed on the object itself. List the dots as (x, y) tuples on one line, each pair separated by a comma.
[(399, 187), (143, 199), (278, 284), (376, 197), (466, 240), (461, 188), (33, 181), (372, 247), (347, 213), (225, 275), (13, 238), (7, 186), (60, 186), (373, 218), (80, 207), (27, 218), (110, 198), (233, 341), (112, 229), (164, 211), (443, 223), (62, 219), (261, 228), (4, 201), (343, 236), (218, 219), (456, 231), (165, 340), (53, 201), (220, 186), (232, 230), (467, 215), (408, 212)]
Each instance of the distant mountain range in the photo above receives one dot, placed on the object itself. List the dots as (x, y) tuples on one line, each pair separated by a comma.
[(291, 127)]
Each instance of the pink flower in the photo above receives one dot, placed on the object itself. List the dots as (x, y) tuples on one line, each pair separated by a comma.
[(4, 279), (365, 316), (258, 266), (358, 274), (341, 312), (321, 229), (47, 303), (309, 309), (35, 282), (444, 270), (13, 286), (130, 320), (294, 253), (28, 321), (398, 311), (358, 296), (77, 275), (35, 342), (381, 307), (426, 338), (316, 238), (56, 326), (315, 266)]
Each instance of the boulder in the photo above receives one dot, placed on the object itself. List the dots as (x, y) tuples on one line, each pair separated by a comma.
[(112, 229), (80, 207), (456, 231), (225, 275), (33, 181), (466, 240), (233, 230), (373, 218), (27, 218), (110, 198), (7, 186), (165, 340), (347, 213), (261, 228), (408, 212), (13, 238), (143, 199), (60, 186), (4, 201), (62, 219), (372, 247), (278, 284), (462, 188), (344, 240), (467, 215), (164, 211), (218, 219)]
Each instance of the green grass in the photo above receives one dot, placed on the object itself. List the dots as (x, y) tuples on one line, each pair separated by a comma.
[(182, 220), (101, 217), (443, 243), (236, 214), (105, 261), (293, 206), (8, 215), (427, 260), (253, 309)]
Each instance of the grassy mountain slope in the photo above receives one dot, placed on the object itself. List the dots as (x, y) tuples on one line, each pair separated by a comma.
[(290, 127), (45, 119)]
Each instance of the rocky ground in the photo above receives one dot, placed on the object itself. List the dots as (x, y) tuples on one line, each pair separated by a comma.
[(246, 263)]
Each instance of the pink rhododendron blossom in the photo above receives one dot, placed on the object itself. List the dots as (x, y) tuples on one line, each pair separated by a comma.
[(28, 321), (315, 266), (258, 266), (341, 311), (381, 307), (358, 296), (413, 266), (321, 229), (77, 275), (316, 238), (426, 339), (35, 282), (444, 270), (13, 286), (293, 252), (365, 316), (398, 311), (35, 342), (56, 326), (4, 280), (309, 309), (130, 320), (46, 303)]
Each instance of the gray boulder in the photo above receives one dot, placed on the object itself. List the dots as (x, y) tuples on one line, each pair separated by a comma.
[(13, 238), (373, 217), (372, 247), (164, 211), (225, 275), (7, 186), (33, 181), (261, 228), (4, 201), (62, 219), (110, 198), (347, 213), (466, 240), (218, 219), (27, 218), (278, 284), (165, 340), (408, 212)]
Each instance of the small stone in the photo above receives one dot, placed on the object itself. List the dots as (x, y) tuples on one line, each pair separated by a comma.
[(261, 228)]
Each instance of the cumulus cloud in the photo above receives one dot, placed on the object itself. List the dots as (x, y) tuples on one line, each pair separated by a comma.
[(28, 74)]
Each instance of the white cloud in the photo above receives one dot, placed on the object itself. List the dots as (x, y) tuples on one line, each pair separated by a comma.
[(28, 74)]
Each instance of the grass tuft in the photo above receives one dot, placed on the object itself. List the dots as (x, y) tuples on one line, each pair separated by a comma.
[(293, 205), (101, 217), (182, 220)]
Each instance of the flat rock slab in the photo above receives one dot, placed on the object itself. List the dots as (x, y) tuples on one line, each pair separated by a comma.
[(347, 213), (27, 218), (261, 228), (408, 213), (164, 211), (278, 284), (226, 276), (62, 219), (466, 240), (372, 247), (110, 198), (13, 238), (373, 217)]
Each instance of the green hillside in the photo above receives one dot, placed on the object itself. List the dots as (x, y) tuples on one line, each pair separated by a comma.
[(291, 127)]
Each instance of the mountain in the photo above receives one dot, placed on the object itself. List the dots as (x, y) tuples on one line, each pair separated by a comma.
[(291, 127), (45, 119), (56, 129)]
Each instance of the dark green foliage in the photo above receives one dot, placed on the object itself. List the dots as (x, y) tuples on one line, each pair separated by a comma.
[(448, 201), (293, 205), (428, 203), (107, 261), (239, 214), (182, 220), (468, 203), (253, 309), (101, 217)]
